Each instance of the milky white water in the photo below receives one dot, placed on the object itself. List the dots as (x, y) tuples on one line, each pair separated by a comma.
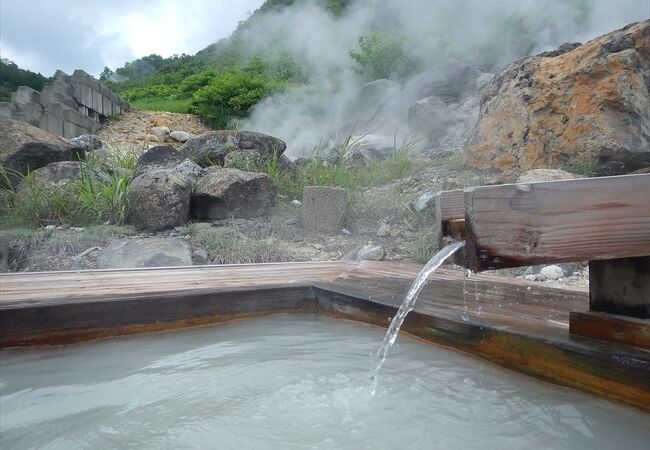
[(290, 382)]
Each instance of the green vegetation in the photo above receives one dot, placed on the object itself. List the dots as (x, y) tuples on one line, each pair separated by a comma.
[(425, 245), (227, 246), (383, 56), (11, 76), (98, 196), (584, 168)]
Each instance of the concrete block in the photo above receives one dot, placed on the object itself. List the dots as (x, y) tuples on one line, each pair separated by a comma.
[(8, 110), (97, 102), (52, 124), (61, 75), (107, 106), (32, 112), (25, 94), (86, 98), (62, 88), (70, 129), (57, 109), (117, 109), (73, 116), (89, 123), (323, 208)]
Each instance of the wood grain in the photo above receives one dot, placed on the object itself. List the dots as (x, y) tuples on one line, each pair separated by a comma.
[(571, 220)]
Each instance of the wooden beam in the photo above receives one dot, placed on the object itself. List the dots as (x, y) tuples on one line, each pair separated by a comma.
[(450, 205), (571, 220), (623, 330)]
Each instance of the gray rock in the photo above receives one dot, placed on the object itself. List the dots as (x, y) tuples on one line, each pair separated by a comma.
[(200, 256), (87, 142), (248, 160), (384, 230), (161, 133), (211, 148), (371, 252), (351, 254), (165, 157), (424, 202), (370, 96), (552, 272), (291, 221), (323, 208), (24, 147), (154, 252), (180, 136), (55, 176), (159, 199), (431, 117), (226, 193)]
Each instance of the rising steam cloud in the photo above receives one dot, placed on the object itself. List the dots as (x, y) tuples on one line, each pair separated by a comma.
[(486, 34)]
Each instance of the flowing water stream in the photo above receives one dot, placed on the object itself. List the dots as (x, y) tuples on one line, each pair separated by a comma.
[(407, 306)]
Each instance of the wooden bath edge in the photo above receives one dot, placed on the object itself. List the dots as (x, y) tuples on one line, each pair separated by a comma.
[(501, 334)]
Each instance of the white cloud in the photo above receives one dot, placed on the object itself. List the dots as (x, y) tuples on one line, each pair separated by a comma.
[(44, 35)]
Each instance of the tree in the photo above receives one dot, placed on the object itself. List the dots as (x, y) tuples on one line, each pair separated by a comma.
[(382, 56), (106, 74)]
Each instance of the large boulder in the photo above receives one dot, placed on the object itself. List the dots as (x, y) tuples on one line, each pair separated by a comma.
[(55, 176), (87, 142), (233, 193), (165, 157), (159, 199), (151, 252), (24, 147), (587, 105), (211, 148)]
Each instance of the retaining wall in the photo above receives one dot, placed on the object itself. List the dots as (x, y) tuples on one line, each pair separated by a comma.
[(73, 105)]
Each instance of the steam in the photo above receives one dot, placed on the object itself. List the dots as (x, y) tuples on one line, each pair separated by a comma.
[(487, 35)]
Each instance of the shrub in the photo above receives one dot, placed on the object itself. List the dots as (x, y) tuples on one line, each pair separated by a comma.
[(382, 56), (228, 96)]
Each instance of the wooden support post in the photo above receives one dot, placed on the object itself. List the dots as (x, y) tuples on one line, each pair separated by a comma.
[(571, 220), (620, 286)]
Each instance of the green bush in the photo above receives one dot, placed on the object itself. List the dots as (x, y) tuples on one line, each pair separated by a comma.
[(382, 56), (229, 96)]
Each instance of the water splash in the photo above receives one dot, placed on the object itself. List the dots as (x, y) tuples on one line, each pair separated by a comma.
[(407, 306)]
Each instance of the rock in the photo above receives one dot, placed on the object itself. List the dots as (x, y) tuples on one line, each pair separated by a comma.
[(590, 105), (152, 138), (180, 136), (159, 156), (296, 203), (211, 148), (537, 175), (24, 147), (369, 98), (384, 230), (552, 272), (248, 160), (561, 50), (199, 256), (431, 117), (87, 142), (370, 252), (291, 221), (55, 176), (424, 202), (323, 208), (226, 193), (190, 170), (449, 82), (161, 121), (161, 133), (165, 157), (159, 199), (351, 254), (153, 252)]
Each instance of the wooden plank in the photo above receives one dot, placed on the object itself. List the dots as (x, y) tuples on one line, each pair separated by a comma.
[(571, 220), (449, 205), (611, 328)]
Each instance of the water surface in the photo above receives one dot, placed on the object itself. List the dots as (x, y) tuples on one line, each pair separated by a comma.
[(290, 382)]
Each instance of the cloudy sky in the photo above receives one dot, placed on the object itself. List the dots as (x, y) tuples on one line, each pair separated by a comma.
[(45, 35)]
